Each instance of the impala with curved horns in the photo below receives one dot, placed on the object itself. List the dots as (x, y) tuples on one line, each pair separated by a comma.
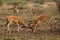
[(16, 19), (43, 17)]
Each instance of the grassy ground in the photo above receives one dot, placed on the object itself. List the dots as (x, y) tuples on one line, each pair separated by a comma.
[(26, 14), (29, 36)]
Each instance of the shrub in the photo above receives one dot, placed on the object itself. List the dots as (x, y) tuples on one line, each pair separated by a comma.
[(17, 1), (1, 2)]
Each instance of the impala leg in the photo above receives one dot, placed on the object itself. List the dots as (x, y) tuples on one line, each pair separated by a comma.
[(18, 27), (9, 24), (36, 26), (49, 25), (47, 22)]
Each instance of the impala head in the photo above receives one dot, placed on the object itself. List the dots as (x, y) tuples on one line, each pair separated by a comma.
[(31, 24), (23, 24)]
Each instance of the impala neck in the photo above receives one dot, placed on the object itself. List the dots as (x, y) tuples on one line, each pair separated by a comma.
[(22, 23)]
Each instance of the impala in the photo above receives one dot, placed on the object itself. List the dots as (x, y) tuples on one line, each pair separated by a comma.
[(16, 19), (41, 18)]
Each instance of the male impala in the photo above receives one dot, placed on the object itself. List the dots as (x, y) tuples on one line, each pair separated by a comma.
[(41, 18), (16, 19)]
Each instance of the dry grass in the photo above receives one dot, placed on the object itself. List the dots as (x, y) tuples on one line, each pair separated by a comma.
[(26, 14)]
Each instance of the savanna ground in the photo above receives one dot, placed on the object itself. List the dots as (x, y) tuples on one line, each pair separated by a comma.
[(29, 11)]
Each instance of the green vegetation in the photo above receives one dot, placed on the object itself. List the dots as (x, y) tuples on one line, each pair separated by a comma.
[(17, 1), (1, 2)]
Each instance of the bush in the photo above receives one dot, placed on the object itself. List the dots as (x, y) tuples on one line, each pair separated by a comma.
[(1, 2), (16, 1), (39, 1)]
